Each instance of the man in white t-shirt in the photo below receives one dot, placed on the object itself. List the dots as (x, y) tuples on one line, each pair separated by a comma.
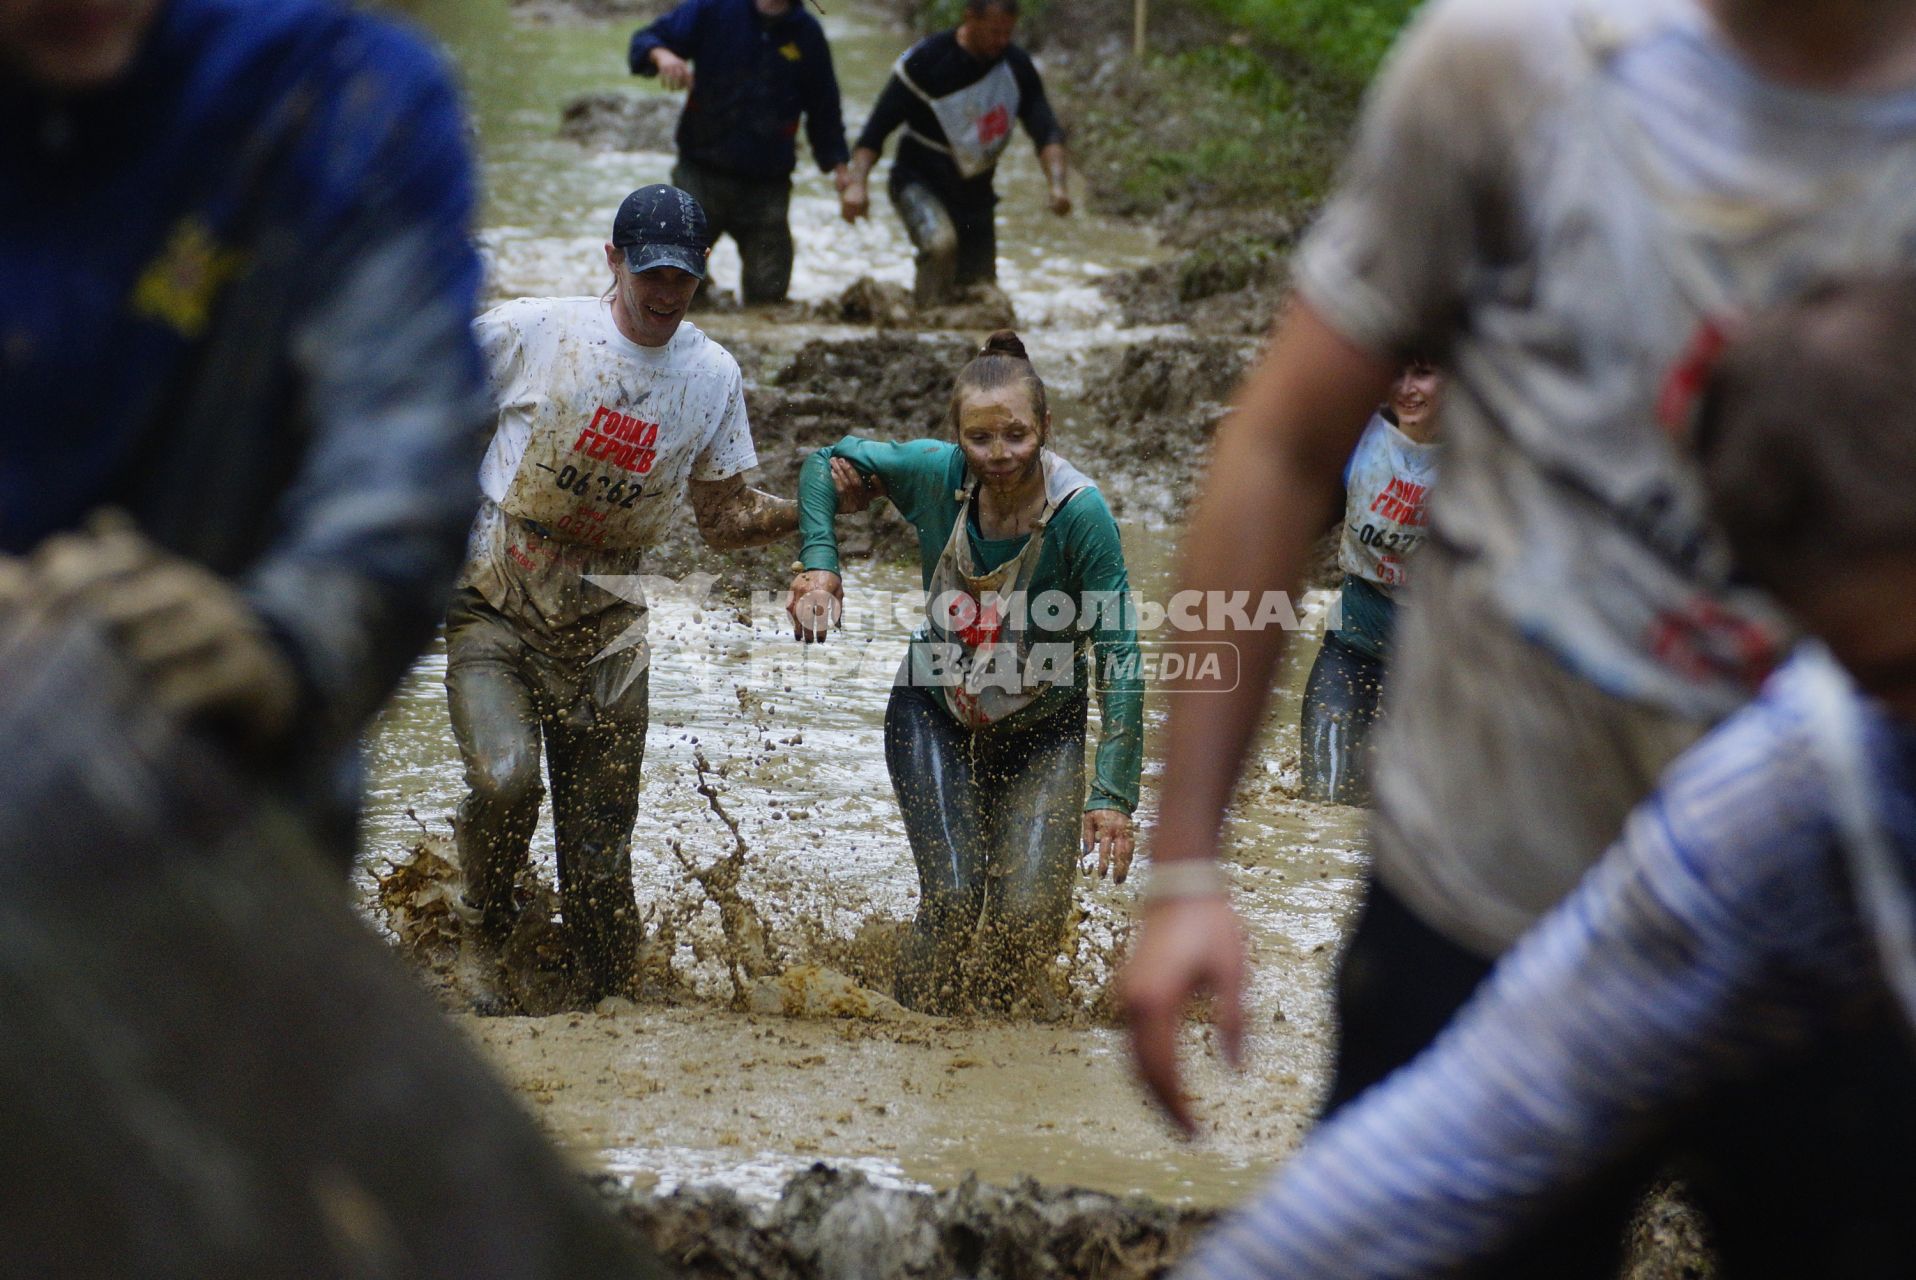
[(610, 410), (1566, 202)]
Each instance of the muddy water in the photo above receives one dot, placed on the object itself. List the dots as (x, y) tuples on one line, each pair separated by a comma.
[(694, 1091)]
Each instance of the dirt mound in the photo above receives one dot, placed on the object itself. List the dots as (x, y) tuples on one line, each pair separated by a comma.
[(1150, 411), (1231, 283), (881, 305), (621, 121), (833, 1223)]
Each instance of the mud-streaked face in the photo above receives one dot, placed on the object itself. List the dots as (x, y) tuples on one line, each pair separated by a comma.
[(72, 45), (1001, 435), (648, 305)]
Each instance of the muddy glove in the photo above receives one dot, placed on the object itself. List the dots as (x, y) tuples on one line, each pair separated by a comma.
[(203, 654)]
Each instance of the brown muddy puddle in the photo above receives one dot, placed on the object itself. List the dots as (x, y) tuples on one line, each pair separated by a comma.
[(696, 1092), (691, 1091)]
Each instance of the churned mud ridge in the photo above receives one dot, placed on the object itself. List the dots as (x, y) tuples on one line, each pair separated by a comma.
[(1149, 412), (1231, 281), (615, 121), (831, 1224)]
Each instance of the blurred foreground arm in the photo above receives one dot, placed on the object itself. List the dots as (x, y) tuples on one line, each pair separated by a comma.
[(1270, 492)]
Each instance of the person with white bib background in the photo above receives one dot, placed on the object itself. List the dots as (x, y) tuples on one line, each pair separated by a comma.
[(985, 732), (1387, 485), (610, 409), (956, 95)]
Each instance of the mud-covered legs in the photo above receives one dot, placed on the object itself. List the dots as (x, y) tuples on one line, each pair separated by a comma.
[(505, 697), (993, 818)]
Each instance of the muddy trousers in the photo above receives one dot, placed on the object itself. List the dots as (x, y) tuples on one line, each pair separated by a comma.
[(505, 695), (755, 212), (995, 821), (957, 244), (1801, 1168), (1340, 706)]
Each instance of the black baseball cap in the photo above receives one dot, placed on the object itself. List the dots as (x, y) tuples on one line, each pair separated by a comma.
[(661, 226)]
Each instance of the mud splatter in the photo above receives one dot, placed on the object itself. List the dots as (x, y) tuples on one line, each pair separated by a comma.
[(748, 949)]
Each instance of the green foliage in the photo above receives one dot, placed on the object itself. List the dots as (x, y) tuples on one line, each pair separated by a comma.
[(1243, 134), (1344, 38), (942, 15)]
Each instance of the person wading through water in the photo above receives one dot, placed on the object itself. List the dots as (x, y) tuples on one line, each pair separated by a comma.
[(610, 409), (956, 95), (985, 731), (1387, 485), (1602, 188)]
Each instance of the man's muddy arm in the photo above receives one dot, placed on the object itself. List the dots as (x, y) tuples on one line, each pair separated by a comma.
[(1056, 172), (732, 515)]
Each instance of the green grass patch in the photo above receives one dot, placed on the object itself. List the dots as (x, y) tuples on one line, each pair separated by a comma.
[(1343, 38), (1218, 125)]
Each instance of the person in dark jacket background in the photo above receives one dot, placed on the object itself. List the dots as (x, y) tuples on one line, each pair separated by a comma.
[(753, 68), (956, 94)]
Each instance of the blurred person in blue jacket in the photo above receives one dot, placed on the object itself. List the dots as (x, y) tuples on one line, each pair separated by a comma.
[(753, 68), (243, 404)]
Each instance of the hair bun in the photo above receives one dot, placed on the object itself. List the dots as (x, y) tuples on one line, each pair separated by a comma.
[(1005, 342)]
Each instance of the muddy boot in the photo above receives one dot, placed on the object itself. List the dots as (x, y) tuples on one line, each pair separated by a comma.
[(602, 916), (933, 277), (931, 976), (933, 233)]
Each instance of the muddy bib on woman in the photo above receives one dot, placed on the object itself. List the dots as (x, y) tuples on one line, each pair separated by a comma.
[(978, 650)]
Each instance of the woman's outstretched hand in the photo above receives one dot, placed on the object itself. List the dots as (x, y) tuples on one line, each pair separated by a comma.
[(816, 603), (1107, 833)]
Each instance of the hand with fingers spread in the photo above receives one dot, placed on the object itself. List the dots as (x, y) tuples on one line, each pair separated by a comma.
[(1107, 833), (203, 653), (816, 603), (1189, 945)]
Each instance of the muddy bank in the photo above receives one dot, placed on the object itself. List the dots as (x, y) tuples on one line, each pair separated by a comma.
[(829, 1224), (1148, 414), (1232, 282), (621, 121), (1225, 145)]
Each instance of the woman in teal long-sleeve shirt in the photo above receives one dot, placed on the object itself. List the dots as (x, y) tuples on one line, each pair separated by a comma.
[(1028, 607)]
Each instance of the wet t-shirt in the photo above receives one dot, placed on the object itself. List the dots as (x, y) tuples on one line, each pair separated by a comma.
[(597, 438), (1387, 485)]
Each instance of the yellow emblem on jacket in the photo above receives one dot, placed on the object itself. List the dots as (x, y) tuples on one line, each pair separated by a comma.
[(790, 51), (179, 286)]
